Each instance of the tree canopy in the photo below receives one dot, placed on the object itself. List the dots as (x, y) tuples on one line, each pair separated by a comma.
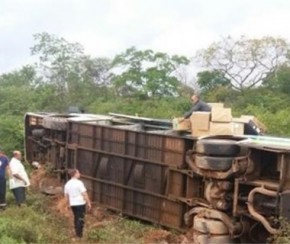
[(250, 75), (147, 73), (245, 62)]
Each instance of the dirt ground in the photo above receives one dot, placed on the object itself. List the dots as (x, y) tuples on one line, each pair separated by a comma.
[(98, 217)]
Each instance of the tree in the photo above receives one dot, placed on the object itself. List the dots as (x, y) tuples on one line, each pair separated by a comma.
[(75, 76), (210, 80), (214, 86), (245, 62), (11, 132), (17, 91), (26, 76), (146, 73), (279, 80), (99, 70)]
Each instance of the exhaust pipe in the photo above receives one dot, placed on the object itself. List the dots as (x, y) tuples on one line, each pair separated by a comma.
[(255, 214)]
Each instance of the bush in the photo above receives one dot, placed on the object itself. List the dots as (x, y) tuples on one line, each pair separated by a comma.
[(165, 108), (11, 133)]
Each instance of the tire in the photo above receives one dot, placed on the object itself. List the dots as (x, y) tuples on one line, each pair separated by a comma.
[(213, 163), (217, 147), (206, 239), (55, 123), (37, 133), (209, 226)]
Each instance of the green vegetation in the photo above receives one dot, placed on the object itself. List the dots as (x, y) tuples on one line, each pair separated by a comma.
[(119, 231), (33, 223), (38, 223), (283, 235), (249, 75), (252, 76)]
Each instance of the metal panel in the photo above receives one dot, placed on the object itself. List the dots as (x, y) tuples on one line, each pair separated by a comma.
[(285, 204), (143, 205), (85, 162), (108, 195), (126, 170), (176, 183), (172, 213)]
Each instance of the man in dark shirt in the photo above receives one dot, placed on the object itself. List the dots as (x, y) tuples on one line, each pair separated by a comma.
[(3, 165), (197, 105)]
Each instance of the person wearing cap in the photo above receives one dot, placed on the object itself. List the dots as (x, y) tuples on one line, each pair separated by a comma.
[(4, 162), (197, 105), (19, 179)]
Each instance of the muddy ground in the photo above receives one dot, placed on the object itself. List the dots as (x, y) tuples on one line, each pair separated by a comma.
[(98, 217)]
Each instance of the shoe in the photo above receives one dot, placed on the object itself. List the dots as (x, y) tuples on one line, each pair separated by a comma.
[(76, 239)]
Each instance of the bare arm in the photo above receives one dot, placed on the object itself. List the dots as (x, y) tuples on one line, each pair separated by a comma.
[(8, 170), (87, 199), (67, 199), (17, 176)]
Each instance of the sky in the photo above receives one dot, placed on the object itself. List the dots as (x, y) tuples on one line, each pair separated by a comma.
[(108, 27)]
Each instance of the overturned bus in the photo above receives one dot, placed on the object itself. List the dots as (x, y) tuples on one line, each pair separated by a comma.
[(223, 188)]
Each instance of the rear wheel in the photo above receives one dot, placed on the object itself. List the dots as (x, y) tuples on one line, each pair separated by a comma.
[(218, 147), (209, 226), (213, 163), (55, 123), (37, 133), (212, 239)]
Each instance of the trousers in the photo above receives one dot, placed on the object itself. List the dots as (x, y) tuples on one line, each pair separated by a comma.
[(19, 194), (79, 219), (2, 192)]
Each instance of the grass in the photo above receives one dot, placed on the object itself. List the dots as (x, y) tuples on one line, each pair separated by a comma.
[(33, 223), (47, 220), (121, 230), (37, 223), (284, 235)]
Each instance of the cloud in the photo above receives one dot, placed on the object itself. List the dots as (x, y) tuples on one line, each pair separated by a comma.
[(183, 38), (108, 27), (272, 21)]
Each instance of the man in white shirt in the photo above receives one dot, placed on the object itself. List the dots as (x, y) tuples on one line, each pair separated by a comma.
[(19, 179), (77, 198)]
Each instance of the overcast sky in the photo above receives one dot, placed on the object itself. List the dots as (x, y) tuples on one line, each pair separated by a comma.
[(108, 27)]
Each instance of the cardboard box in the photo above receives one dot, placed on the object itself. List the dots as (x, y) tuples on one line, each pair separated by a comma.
[(181, 124), (200, 120), (238, 128), (198, 133), (232, 128), (252, 125), (221, 114), (216, 105), (218, 128)]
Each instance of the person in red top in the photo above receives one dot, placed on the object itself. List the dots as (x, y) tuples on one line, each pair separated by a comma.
[(4, 162)]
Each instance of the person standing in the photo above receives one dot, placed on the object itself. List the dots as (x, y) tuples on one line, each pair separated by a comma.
[(19, 179), (77, 198), (197, 105), (4, 161)]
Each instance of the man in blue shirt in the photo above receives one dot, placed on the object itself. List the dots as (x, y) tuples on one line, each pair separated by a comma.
[(4, 161)]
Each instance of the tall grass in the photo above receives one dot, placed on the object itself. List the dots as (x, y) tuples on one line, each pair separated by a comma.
[(33, 223)]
